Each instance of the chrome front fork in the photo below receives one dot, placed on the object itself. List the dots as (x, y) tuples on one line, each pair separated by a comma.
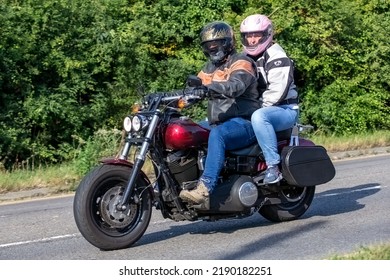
[(139, 161)]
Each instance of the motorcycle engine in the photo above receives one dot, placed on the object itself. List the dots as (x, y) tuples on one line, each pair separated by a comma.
[(237, 193), (184, 165)]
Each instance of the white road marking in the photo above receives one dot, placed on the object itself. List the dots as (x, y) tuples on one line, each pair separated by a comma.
[(359, 190), (39, 240)]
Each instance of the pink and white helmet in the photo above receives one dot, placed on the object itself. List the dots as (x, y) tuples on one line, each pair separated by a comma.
[(256, 34)]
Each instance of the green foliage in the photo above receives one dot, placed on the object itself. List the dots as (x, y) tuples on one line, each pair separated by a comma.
[(103, 144), (70, 68), (347, 108), (56, 72)]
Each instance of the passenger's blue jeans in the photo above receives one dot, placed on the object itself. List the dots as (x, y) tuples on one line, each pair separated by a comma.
[(266, 122), (233, 134)]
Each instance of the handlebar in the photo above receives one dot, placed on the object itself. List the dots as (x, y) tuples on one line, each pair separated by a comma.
[(170, 97), (184, 96)]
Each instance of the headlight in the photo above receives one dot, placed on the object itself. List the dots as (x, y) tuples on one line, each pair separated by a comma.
[(136, 123), (127, 124), (139, 122)]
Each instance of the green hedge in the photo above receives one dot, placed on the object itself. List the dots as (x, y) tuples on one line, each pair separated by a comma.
[(69, 68)]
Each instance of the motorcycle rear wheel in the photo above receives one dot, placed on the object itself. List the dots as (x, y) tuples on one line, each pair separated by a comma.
[(96, 216), (296, 201)]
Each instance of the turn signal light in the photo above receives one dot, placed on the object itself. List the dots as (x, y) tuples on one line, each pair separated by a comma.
[(135, 108), (181, 103)]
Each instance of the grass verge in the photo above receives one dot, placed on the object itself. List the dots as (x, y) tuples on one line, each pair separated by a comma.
[(353, 142), (375, 252), (60, 178)]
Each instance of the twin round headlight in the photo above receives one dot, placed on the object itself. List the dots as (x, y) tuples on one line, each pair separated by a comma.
[(135, 123)]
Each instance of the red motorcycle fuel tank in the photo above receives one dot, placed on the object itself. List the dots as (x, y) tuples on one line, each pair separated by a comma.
[(184, 133)]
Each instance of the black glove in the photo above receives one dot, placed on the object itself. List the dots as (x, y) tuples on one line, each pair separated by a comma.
[(201, 91)]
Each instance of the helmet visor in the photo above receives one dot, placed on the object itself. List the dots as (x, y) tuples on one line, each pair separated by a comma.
[(253, 39), (212, 47)]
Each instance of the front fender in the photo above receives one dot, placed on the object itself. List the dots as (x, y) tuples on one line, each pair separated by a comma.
[(123, 162), (116, 161)]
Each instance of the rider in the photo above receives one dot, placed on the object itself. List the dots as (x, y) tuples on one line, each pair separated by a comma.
[(231, 82), (279, 110)]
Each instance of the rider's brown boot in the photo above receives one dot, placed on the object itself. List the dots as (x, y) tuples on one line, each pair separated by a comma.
[(197, 195)]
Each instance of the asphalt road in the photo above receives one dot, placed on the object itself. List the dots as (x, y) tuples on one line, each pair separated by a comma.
[(349, 212)]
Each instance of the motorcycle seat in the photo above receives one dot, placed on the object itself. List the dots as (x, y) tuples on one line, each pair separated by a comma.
[(255, 150)]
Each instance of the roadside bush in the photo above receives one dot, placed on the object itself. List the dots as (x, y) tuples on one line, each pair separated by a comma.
[(104, 143)]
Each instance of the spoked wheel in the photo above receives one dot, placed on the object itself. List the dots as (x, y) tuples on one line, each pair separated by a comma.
[(295, 202), (96, 214)]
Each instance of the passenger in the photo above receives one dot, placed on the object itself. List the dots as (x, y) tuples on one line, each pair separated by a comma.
[(279, 110)]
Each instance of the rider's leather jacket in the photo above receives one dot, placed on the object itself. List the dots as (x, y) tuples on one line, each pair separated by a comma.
[(232, 88)]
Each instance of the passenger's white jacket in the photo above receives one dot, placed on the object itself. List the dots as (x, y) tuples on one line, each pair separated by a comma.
[(276, 77)]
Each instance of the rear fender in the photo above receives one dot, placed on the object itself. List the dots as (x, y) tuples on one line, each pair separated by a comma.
[(306, 142)]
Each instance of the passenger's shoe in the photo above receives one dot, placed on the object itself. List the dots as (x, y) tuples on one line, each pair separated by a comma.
[(197, 195), (272, 175)]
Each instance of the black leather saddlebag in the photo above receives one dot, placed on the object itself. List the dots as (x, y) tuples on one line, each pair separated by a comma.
[(306, 165)]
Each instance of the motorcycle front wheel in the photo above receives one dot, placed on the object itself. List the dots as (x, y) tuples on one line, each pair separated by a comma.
[(95, 213), (295, 202)]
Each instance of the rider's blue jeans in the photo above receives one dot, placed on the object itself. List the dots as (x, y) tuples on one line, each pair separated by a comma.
[(233, 134), (266, 121)]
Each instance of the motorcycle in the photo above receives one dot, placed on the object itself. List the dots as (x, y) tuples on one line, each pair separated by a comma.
[(113, 202)]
